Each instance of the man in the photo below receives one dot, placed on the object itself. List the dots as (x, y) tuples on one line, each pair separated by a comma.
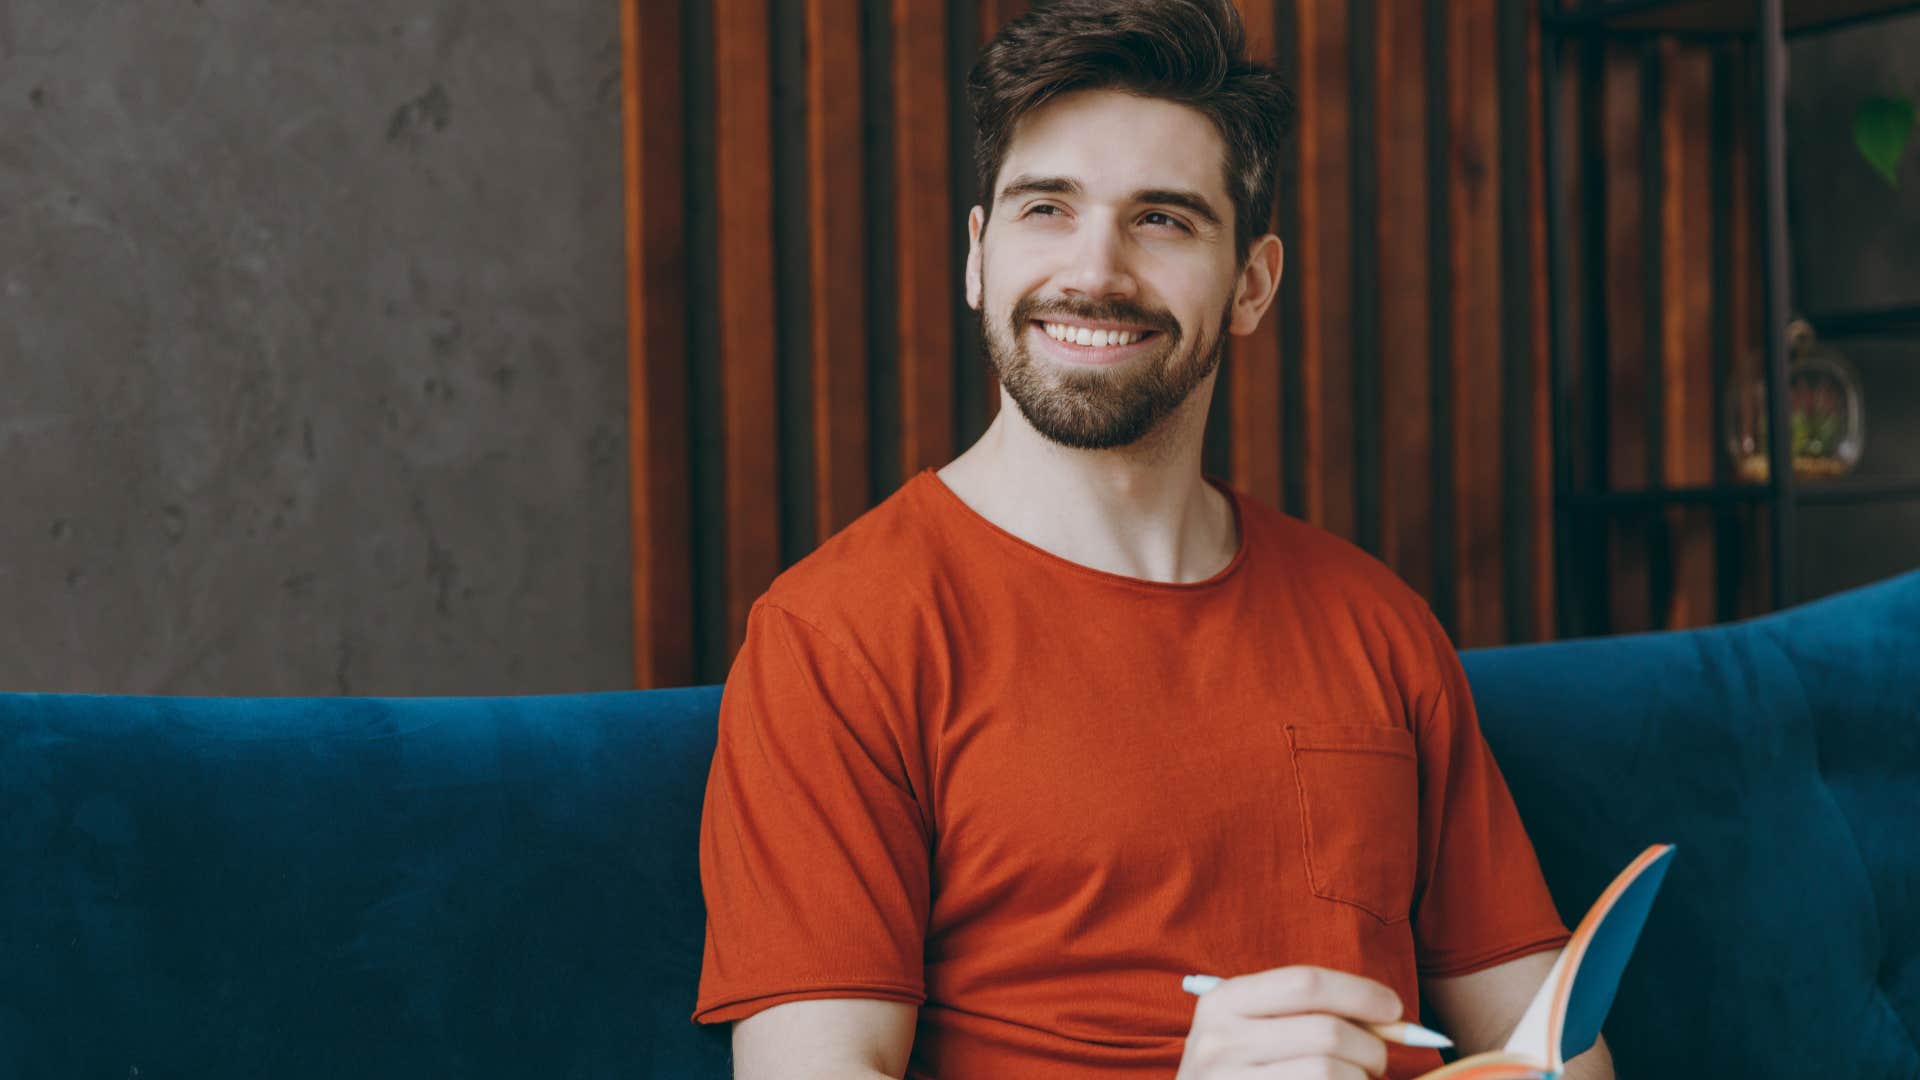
[(1065, 720)]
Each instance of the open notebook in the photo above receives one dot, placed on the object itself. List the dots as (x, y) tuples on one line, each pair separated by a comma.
[(1564, 1019)]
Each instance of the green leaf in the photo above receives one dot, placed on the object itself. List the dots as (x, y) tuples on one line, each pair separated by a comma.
[(1881, 128)]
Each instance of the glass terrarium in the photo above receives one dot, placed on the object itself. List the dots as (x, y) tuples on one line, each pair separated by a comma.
[(1825, 409)]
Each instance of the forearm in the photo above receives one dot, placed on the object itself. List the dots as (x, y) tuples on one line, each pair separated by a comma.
[(1595, 1064)]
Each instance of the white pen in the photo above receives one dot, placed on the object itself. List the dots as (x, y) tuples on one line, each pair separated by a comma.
[(1400, 1031)]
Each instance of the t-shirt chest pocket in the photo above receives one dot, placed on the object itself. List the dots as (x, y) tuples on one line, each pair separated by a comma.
[(1359, 790)]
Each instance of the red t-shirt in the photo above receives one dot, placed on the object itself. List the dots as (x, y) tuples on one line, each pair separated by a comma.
[(959, 771)]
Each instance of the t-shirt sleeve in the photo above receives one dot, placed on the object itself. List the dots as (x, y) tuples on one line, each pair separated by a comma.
[(1479, 897), (814, 850)]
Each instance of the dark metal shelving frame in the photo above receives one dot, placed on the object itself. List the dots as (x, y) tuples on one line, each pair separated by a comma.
[(1767, 24)]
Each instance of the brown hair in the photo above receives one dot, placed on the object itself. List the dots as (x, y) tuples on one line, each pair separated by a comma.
[(1192, 52)]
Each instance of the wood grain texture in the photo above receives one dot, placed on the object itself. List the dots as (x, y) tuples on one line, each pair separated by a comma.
[(995, 14), (836, 224), (1406, 300), (924, 254), (1409, 202), (743, 157), (1539, 411), (1626, 267), (1473, 206), (1253, 408), (1326, 265), (1686, 321), (655, 149), (1743, 314)]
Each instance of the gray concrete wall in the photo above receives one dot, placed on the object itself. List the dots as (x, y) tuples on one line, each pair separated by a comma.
[(312, 347), (1856, 244)]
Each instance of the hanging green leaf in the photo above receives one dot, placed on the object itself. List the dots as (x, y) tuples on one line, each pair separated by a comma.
[(1881, 128)]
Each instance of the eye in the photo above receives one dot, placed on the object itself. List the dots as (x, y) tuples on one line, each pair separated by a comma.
[(1165, 218), (1054, 211)]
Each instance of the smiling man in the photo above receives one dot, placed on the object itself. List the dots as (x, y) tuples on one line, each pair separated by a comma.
[(1067, 719)]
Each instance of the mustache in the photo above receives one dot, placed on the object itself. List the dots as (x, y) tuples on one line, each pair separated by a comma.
[(1030, 308)]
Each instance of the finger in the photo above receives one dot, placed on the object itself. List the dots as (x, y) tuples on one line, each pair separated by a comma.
[(1316, 1036), (1305, 989)]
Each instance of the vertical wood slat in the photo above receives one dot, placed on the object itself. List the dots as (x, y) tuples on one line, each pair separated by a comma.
[(1686, 330), (1475, 345), (1406, 313), (743, 156), (836, 207), (995, 14), (925, 256), (1326, 315), (1540, 409), (655, 148), (1320, 255), (1253, 410), (1626, 317), (1743, 307)]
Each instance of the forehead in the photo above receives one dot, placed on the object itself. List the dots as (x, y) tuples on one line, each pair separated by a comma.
[(1114, 142)]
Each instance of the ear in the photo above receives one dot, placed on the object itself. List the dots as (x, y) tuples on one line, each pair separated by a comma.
[(976, 221), (1259, 284)]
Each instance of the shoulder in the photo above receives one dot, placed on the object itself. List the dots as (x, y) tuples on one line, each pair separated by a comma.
[(1332, 569), (872, 578)]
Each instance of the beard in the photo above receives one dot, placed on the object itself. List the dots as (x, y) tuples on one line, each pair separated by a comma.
[(1100, 408)]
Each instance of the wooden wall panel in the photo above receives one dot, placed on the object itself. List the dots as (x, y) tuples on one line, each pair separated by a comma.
[(995, 14), (655, 148), (1475, 343), (1628, 466), (743, 158), (1253, 407), (836, 211), (1686, 323), (1325, 264), (1404, 127), (1406, 301), (924, 256), (1539, 410), (1742, 314)]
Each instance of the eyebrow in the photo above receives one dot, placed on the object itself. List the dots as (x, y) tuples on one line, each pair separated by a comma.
[(1191, 201)]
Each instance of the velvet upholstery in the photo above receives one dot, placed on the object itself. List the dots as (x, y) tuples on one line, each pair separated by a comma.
[(208, 888)]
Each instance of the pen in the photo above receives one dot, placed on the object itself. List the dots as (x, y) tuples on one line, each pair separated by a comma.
[(1400, 1031)]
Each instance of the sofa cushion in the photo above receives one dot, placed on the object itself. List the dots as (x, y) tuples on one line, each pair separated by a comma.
[(1782, 756)]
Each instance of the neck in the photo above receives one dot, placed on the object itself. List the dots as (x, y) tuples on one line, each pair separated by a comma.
[(1142, 510)]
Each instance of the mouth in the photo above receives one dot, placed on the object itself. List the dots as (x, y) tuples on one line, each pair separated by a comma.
[(1096, 346)]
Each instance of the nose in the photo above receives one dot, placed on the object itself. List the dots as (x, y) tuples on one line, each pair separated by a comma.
[(1098, 268)]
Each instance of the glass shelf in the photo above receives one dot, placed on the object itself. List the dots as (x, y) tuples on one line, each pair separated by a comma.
[(1719, 16)]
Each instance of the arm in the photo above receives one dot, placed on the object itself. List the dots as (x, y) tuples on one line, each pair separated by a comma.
[(825, 1039), (1480, 1011)]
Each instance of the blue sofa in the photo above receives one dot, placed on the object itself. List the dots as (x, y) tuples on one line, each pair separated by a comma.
[(507, 887)]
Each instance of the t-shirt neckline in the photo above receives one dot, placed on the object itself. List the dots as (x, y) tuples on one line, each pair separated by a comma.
[(946, 494)]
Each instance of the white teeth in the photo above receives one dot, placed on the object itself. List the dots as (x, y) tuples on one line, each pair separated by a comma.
[(1081, 335)]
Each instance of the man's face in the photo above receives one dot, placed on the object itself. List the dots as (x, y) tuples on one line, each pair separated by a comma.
[(1105, 277)]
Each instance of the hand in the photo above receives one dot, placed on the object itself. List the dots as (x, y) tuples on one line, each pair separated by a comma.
[(1290, 1023)]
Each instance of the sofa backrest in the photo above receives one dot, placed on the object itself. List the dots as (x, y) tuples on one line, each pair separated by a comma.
[(483, 887), (452, 887), (1782, 756)]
